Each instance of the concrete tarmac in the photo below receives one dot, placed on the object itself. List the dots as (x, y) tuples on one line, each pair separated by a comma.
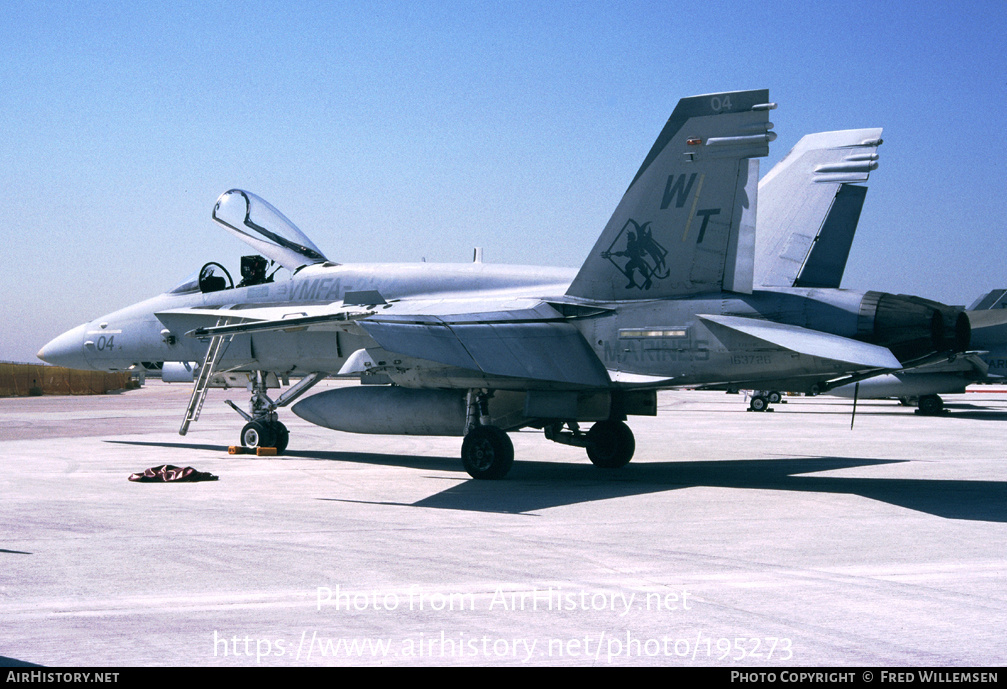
[(733, 538)]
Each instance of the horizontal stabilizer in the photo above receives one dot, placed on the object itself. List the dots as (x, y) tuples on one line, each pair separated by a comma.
[(546, 351), (810, 342)]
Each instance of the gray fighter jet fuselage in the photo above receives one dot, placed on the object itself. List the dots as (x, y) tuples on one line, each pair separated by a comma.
[(663, 339), (664, 299)]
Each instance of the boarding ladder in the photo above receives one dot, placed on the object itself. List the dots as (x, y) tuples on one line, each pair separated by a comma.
[(213, 354)]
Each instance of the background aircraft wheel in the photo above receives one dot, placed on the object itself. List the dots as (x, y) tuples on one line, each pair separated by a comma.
[(610, 444), (931, 404), (758, 403), (281, 437), (487, 453), (774, 397), (257, 434)]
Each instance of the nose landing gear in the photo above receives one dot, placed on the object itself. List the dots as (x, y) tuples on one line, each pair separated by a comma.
[(263, 427)]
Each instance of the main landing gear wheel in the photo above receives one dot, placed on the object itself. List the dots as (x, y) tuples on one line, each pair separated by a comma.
[(257, 434), (610, 444), (774, 397), (487, 453), (931, 405), (758, 403)]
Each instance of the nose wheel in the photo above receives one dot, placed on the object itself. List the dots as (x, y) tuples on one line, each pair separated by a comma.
[(265, 434), (263, 428)]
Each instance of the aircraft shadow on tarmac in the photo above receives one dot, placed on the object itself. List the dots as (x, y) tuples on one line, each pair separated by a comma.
[(413, 461), (951, 411), (14, 662), (534, 485), (178, 446)]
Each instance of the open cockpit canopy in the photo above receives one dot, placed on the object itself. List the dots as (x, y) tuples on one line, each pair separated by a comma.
[(257, 223)]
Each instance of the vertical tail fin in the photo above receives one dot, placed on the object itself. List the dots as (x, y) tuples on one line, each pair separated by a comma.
[(994, 299), (686, 223), (809, 209)]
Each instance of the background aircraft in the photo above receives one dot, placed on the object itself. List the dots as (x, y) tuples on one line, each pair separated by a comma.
[(664, 299)]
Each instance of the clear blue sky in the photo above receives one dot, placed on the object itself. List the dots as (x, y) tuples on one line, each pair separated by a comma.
[(393, 131)]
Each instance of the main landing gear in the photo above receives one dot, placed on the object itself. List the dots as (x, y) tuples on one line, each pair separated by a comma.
[(487, 451), (610, 444), (930, 405), (761, 399)]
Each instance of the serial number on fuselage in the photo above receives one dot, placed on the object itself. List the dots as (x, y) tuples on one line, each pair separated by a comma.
[(751, 359)]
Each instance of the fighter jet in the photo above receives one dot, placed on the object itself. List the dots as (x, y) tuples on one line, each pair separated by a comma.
[(664, 299), (810, 205)]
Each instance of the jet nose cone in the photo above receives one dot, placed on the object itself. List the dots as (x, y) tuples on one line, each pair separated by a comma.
[(67, 349)]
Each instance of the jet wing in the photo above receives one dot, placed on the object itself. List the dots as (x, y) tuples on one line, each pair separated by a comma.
[(501, 344), (810, 342), (809, 209), (289, 317)]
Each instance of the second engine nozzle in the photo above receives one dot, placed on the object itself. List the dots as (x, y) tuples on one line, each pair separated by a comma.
[(913, 327)]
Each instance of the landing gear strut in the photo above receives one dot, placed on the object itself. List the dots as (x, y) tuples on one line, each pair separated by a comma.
[(610, 444), (263, 427), (487, 451)]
